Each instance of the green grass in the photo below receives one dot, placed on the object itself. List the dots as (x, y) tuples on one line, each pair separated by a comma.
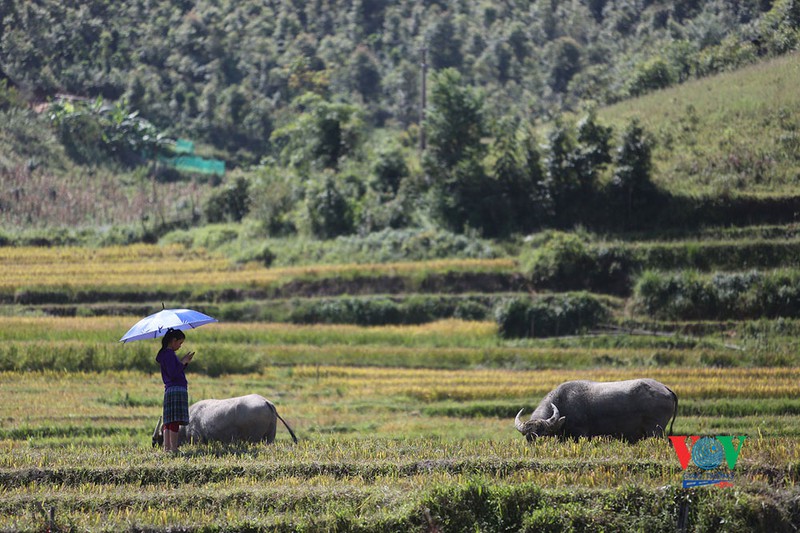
[(734, 133)]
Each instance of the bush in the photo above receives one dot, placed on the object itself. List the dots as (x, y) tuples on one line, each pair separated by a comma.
[(362, 311), (387, 246), (562, 314), (230, 203), (689, 295), (562, 261), (565, 261), (653, 74), (381, 310), (328, 209)]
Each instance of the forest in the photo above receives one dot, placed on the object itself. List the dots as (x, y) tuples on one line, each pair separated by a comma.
[(318, 112)]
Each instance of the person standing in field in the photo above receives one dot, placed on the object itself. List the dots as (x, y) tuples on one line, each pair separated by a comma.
[(176, 392)]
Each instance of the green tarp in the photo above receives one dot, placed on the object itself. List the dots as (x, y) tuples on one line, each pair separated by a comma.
[(192, 163), (188, 162)]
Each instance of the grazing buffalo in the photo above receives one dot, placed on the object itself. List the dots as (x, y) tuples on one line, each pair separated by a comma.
[(630, 410), (250, 418)]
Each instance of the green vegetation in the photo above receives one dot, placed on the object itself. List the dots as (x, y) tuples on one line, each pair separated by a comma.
[(316, 115)]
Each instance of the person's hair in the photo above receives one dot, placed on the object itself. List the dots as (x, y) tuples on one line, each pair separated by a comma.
[(171, 335)]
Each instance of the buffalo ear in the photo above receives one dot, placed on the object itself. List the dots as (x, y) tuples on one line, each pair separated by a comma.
[(558, 424)]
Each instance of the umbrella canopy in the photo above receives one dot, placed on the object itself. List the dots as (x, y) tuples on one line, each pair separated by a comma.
[(157, 324)]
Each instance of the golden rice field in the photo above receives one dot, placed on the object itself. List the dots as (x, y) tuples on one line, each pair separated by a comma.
[(401, 428), (381, 448), (376, 451), (175, 267)]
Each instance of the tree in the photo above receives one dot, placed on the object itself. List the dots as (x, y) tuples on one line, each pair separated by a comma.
[(389, 169), (456, 126), (275, 195), (93, 132), (365, 73), (653, 74), (444, 44), (534, 183), (631, 181), (563, 174), (593, 153), (565, 60), (454, 123), (514, 162), (230, 203), (327, 208), (321, 135), (596, 8), (594, 140)]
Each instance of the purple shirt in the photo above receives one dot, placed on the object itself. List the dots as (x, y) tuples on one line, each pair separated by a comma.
[(172, 370)]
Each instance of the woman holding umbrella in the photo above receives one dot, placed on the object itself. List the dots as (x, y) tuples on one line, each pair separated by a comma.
[(176, 393)]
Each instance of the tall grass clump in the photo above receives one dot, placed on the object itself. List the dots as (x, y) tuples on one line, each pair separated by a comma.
[(386, 246)]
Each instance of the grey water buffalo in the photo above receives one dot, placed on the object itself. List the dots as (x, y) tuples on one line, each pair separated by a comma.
[(630, 410), (250, 418)]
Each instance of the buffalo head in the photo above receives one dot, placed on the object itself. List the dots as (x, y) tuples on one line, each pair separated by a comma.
[(540, 427)]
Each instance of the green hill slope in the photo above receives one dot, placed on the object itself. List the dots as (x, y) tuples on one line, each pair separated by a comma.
[(734, 133)]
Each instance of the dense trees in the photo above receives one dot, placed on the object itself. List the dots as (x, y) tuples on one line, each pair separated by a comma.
[(318, 103), (225, 70)]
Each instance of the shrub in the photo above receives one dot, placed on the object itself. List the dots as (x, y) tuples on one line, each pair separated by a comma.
[(361, 311), (653, 74), (230, 203), (386, 246), (328, 209), (562, 261), (382, 310), (562, 314), (565, 261), (688, 295)]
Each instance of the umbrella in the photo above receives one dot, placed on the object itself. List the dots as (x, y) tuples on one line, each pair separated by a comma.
[(157, 324)]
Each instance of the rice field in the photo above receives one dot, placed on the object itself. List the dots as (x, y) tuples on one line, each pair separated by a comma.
[(401, 428), (389, 448), (173, 268)]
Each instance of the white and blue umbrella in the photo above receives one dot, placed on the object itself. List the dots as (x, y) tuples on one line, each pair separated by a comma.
[(157, 324)]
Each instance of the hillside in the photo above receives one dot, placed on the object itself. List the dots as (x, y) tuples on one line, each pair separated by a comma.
[(737, 133), (315, 113), (228, 71)]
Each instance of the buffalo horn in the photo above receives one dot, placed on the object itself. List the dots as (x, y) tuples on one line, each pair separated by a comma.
[(157, 431), (553, 419), (518, 423)]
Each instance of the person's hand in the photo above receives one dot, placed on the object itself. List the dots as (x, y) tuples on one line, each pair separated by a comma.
[(187, 358)]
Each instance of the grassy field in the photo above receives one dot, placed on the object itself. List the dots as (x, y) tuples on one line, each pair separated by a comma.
[(415, 443), (380, 449), (401, 427)]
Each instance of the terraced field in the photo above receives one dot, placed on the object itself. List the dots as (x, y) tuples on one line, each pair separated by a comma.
[(402, 427)]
